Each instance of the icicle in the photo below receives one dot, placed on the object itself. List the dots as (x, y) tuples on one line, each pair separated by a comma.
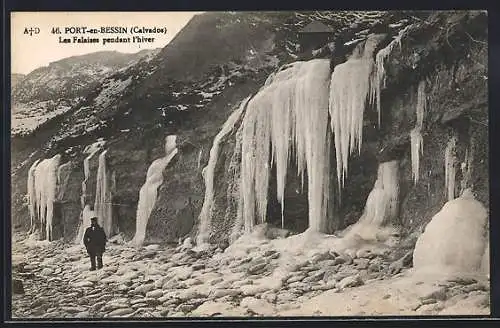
[(466, 168), (421, 104), (416, 150), (91, 150), (449, 164), (199, 158), (32, 195), (379, 76), (350, 87), (289, 111), (102, 206), (149, 190), (416, 134), (45, 184), (209, 174)]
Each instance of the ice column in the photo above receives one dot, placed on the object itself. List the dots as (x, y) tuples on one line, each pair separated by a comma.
[(45, 184), (102, 206), (209, 174), (149, 190), (32, 195), (289, 113), (416, 133)]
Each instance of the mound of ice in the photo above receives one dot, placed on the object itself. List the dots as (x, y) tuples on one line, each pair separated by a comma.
[(456, 237)]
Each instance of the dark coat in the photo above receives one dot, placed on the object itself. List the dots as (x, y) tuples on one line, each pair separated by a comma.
[(95, 240)]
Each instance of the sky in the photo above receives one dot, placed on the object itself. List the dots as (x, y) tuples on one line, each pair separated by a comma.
[(29, 52)]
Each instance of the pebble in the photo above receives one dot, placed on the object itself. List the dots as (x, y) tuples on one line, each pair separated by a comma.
[(84, 283), (154, 293), (361, 263), (218, 293), (143, 289), (250, 290), (285, 296), (256, 268), (314, 276), (46, 272), (295, 278), (351, 281), (120, 312)]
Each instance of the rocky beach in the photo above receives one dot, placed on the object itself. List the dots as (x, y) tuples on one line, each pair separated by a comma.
[(161, 281)]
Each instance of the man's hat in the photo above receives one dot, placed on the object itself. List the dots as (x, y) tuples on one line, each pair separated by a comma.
[(93, 218)]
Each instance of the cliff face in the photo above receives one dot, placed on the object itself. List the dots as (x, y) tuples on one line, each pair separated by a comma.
[(191, 90), (447, 54)]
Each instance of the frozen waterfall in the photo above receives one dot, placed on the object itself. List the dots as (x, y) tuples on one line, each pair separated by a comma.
[(149, 190), (103, 207), (381, 205), (91, 150), (32, 194), (416, 150), (290, 113), (209, 173), (42, 191)]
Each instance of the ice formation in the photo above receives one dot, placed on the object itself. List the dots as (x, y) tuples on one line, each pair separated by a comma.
[(43, 188), (91, 150), (466, 168), (103, 207), (233, 191), (32, 194), (288, 118), (350, 89), (199, 158), (149, 190), (209, 174), (421, 104), (289, 112), (449, 165), (379, 75), (442, 245), (63, 173), (381, 205), (416, 133), (416, 150)]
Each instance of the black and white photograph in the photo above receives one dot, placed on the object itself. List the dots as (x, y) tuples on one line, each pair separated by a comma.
[(249, 164)]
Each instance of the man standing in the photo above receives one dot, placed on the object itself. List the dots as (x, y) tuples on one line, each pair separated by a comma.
[(95, 241)]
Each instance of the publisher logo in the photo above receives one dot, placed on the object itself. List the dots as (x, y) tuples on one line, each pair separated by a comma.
[(31, 30)]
